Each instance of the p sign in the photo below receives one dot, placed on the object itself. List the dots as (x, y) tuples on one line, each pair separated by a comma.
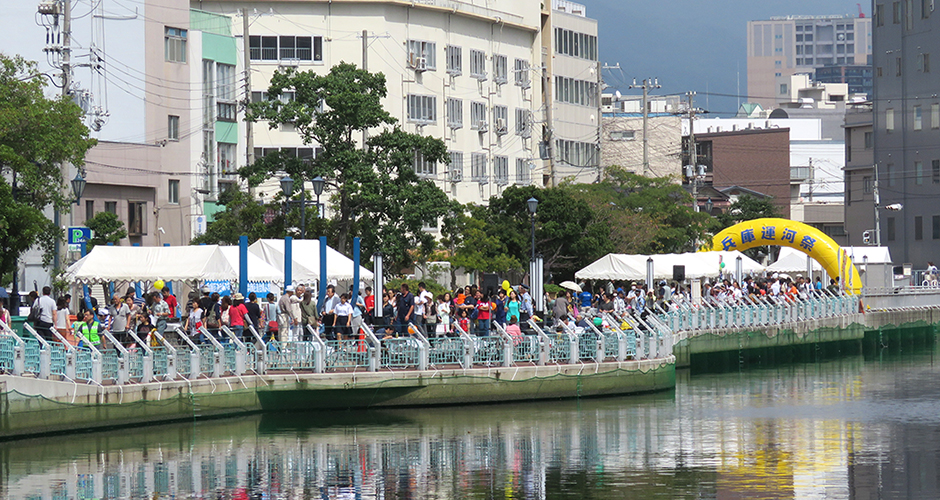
[(79, 235)]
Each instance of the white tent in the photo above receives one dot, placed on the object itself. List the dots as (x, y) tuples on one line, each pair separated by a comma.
[(697, 265), (112, 263), (792, 260), (258, 269), (305, 260)]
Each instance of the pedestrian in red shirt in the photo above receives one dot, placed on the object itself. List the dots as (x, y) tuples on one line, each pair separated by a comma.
[(170, 301)]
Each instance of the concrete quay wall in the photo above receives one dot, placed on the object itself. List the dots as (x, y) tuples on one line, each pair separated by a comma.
[(29, 406), (851, 327)]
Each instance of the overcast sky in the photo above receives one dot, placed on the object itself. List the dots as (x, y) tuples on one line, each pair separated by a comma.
[(691, 44)]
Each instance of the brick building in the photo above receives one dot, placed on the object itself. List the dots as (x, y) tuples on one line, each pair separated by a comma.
[(758, 160)]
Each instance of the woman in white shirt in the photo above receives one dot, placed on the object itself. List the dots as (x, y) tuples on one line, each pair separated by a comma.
[(342, 318), (443, 311), (62, 319)]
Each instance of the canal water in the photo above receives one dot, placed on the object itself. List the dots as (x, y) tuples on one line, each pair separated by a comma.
[(859, 424)]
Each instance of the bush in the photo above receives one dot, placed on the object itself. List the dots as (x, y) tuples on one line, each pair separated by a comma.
[(553, 289)]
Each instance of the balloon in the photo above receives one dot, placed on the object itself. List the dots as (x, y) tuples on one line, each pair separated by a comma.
[(722, 265), (159, 284), (506, 286)]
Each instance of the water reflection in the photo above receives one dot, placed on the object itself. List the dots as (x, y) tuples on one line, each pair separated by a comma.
[(846, 428)]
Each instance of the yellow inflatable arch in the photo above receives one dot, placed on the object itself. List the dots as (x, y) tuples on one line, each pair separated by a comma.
[(784, 232)]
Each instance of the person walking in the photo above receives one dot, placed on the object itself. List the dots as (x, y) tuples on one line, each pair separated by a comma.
[(194, 321), (160, 311), (327, 312), (308, 315), (45, 314), (406, 308), (61, 320), (254, 316), (270, 313), (284, 319), (342, 318), (120, 315), (237, 315), (88, 328)]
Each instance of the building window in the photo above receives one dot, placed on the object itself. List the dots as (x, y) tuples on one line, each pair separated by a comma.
[(890, 228), (867, 184), (174, 45), (89, 209), (478, 116), (925, 7), (478, 64), (455, 169), (110, 207), (783, 89), (423, 166), (227, 164), (918, 118), (173, 128), (935, 171), (454, 113), (288, 48), (935, 116), (454, 60), (522, 172), (919, 173), (936, 227), (523, 122), (136, 218), (225, 92), (869, 140), (908, 14), (500, 69), (896, 10), (173, 192), (420, 51), (478, 168), (521, 68), (879, 15), (501, 120), (623, 135), (501, 170), (422, 108), (918, 227), (923, 63), (898, 66), (889, 120)]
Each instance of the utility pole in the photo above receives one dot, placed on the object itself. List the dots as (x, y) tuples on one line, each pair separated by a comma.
[(693, 154), (812, 180), (547, 135), (877, 209), (647, 84), (249, 135), (365, 66), (600, 121), (66, 49)]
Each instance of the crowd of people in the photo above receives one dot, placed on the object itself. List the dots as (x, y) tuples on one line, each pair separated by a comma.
[(295, 315)]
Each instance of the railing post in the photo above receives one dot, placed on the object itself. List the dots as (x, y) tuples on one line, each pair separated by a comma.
[(241, 352), (545, 344), (468, 347), (507, 345), (124, 369), (217, 369), (423, 348), (170, 355), (195, 358), (19, 351), (45, 356), (96, 372), (319, 349), (374, 349), (261, 351), (622, 345)]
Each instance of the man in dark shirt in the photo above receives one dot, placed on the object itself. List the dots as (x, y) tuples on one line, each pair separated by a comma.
[(406, 309)]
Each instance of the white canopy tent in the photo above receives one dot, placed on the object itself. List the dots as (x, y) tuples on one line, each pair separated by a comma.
[(258, 269), (626, 267), (191, 263), (792, 260), (305, 261)]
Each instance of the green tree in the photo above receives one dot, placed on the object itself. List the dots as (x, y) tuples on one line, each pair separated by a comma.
[(665, 202), (37, 134), (566, 232), (471, 243), (107, 228), (244, 215), (375, 191)]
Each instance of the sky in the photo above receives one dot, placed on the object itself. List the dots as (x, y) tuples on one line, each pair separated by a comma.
[(691, 45)]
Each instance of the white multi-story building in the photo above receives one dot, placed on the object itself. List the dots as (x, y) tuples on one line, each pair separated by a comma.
[(459, 71), (473, 73)]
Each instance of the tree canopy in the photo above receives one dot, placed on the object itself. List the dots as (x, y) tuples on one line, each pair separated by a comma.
[(375, 192), (37, 134), (106, 228)]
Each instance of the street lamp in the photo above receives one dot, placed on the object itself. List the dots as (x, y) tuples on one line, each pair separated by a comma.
[(533, 205), (318, 184), (708, 206), (78, 187)]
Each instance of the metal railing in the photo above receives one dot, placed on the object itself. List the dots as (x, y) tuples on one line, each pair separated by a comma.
[(155, 358)]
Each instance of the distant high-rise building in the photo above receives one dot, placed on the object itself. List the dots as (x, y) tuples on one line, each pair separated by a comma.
[(784, 46)]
